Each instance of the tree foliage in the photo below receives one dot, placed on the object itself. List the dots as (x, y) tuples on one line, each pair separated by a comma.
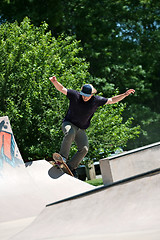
[(29, 55), (120, 40), (109, 132)]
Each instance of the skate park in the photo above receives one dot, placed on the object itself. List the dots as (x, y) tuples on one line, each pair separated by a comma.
[(39, 202)]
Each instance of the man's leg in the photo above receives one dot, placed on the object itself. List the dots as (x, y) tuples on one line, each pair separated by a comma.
[(69, 131), (82, 145)]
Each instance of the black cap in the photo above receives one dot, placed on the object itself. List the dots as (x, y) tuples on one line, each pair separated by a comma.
[(86, 90)]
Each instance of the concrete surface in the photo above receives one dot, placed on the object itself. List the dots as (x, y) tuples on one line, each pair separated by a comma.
[(38, 202), (129, 210), (130, 163), (25, 190)]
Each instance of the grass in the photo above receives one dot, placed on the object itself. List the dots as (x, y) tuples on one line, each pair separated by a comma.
[(95, 182)]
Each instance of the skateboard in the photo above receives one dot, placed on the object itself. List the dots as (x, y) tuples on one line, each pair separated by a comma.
[(58, 162)]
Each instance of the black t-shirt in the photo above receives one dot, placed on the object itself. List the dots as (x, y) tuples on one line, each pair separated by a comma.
[(81, 112)]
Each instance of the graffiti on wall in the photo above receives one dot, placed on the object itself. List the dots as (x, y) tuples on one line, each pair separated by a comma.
[(8, 151)]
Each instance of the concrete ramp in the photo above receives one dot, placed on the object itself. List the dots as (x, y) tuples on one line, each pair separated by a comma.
[(126, 210), (38, 202), (130, 163), (26, 189), (52, 184)]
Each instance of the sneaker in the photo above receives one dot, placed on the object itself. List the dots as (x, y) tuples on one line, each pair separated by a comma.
[(75, 173)]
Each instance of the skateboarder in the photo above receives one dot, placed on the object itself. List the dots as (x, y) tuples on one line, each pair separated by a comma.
[(82, 107)]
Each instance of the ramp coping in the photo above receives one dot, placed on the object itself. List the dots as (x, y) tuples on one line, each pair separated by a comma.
[(131, 151), (133, 178)]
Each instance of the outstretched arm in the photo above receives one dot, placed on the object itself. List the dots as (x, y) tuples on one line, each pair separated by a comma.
[(58, 85), (120, 97)]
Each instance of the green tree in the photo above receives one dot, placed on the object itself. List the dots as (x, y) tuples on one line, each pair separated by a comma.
[(120, 40), (29, 55), (109, 132)]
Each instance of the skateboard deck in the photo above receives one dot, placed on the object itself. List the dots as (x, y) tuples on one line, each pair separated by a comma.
[(58, 162)]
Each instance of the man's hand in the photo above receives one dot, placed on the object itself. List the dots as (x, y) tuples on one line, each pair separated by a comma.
[(53, 79), (128, 92)]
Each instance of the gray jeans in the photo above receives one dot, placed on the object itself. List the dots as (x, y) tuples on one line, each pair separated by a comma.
[(77, 135)]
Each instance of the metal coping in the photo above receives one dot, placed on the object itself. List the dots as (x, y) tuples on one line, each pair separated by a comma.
[(102, 188), (132, 151)]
